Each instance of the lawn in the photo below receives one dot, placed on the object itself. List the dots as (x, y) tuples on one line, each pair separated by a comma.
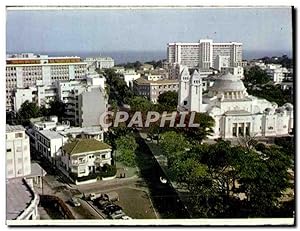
[(135, 203), (129, 171)]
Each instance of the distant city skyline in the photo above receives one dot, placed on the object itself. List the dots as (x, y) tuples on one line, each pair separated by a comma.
[(104, 30)]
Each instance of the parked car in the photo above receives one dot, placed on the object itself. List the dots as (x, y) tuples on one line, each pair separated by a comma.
[(75, 202), (111, 196), (102, 204), (111, 209), (94, 196), (117, 215), (126, 218)]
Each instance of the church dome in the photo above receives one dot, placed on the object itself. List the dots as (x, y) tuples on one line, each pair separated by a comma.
[(228, 82), (288, 106)]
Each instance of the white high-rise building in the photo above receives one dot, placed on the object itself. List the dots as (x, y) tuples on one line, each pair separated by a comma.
[(205, 54), (29, 70)]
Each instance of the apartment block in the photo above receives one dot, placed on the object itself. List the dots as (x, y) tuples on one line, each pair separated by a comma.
[(18, 162), (100, 62), (205, 54), (29, 70)]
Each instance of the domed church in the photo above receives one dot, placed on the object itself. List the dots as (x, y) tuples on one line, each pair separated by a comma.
[(235, 112)]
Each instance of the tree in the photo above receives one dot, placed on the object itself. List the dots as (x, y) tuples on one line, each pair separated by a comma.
[(117, 88), (57, 107), (196, 135), (263, 177), (214, 173), (168, 100), (115, 133), (27, 111), (271, 93), (139, 103), (255, 75), (126, 146), (173, 146)]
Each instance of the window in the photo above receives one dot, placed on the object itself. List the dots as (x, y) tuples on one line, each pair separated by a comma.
[(103, 156), (19, 135), (234, 131), (8, 150)]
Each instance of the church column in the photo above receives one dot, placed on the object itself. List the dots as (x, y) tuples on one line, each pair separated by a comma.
[(245, 124)]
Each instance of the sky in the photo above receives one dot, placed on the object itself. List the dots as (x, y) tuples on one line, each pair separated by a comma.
[(267, 29)]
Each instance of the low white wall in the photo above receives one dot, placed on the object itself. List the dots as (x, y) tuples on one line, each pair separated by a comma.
[(109, 178), (86, 182)]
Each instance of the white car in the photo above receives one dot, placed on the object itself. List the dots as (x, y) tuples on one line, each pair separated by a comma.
[(75, 202), (126, 218)]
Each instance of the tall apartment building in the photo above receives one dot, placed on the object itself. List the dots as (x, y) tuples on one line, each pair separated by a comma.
[(85, 102), (29, 70), (205, 54), (18, 162)]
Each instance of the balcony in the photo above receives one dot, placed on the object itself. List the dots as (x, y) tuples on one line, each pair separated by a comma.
[(77, 163)]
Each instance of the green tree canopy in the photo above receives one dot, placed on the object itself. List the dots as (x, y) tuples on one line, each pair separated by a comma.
[(126, 146), (255, 75), (173, 145), (27, 111), (168, 100), (139, 103), (196, 135)]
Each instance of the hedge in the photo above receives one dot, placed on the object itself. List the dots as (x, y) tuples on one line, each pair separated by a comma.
[(106, 171)]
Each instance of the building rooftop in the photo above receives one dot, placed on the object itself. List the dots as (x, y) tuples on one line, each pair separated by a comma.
[(14, 128), (51, 134), (84, 145), (18, 197), (237, 112), (87, 130), (228, 82), (163, 81)]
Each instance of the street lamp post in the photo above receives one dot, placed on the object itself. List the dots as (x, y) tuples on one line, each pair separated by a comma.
[(42, 181)]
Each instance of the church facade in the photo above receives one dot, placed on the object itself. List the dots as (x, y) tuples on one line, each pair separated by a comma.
[(235, 112)]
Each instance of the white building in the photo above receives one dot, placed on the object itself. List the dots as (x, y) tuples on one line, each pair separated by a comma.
[(130, 77), (84, 156), (21, 199), (235, 112), (18, 162), (153, 77), (100, 62), (237, 71), (276, 72), (47, 136), (29, 70), (205, 54), (41, 95), (23, 94)]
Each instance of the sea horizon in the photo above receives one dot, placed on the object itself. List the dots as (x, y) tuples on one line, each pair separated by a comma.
[(121, 57)]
